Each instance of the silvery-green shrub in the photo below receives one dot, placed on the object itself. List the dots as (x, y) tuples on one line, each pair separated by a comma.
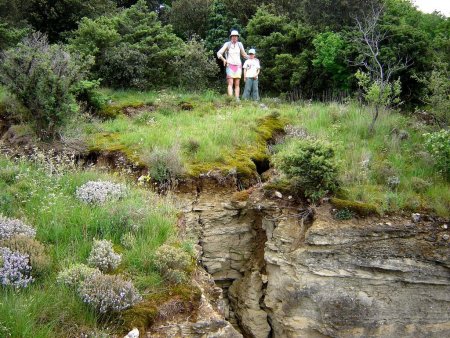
[(173, 263), (10, 227), (76, 274), (98, 192), (103, 256), (108, 293), (15, 268)]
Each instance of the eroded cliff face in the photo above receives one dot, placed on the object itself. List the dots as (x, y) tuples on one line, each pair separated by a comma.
[(285, 277)]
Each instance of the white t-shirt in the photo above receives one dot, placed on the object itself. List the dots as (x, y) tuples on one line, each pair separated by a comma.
[(233, 53), (252, 65)]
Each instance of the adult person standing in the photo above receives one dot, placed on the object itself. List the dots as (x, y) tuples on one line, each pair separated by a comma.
[(233, 50)]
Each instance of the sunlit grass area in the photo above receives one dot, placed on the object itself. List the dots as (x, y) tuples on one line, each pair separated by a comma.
[(217, 131)]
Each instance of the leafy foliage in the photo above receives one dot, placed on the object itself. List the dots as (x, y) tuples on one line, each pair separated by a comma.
[(42, 77), (220, 23), (438, 145), (310, 166), (10, 35), (131, 49), (190, 17), (276, 40), (196, 67), (55, 18)]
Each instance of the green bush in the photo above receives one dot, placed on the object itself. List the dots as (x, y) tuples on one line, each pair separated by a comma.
[(438, 145), (87, 92), (344, 214), (173, 263), (42, 77), (310, 166), (196, 67), (131, 48)]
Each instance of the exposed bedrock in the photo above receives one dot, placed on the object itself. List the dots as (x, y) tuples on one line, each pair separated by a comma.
[(282, 278)]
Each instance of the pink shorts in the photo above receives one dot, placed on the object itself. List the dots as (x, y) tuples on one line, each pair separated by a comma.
[(234, 71)]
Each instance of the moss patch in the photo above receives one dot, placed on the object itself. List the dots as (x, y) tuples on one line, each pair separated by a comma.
[(243, 159), (110, 142), (362, 209), (178, 299)]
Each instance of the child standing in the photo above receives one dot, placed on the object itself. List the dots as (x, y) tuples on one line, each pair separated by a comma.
[(251, 72)]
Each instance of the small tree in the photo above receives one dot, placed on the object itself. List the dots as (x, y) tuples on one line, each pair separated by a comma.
[(377, 83), (196, 66), (42, 77)]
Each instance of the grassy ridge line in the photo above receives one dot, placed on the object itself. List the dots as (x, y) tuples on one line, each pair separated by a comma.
[(229, 136), (67, 227)]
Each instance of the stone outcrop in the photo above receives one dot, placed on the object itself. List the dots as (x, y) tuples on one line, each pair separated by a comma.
[(286, 277)]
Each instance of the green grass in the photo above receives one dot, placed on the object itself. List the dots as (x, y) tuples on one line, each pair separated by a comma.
[(221, 130), (67, 227), (228, 135)]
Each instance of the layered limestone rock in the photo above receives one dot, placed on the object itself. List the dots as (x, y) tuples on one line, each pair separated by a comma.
[(359, 279), (288, 278)]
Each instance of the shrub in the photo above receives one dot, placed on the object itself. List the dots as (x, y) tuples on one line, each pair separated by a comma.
[(196, 66), (344, 214), (173, 263), (76, 274), (165, 165), (42, 77), (125, 64), (13, 227), (107, 293), (103, 256), (15, 269), (100, 191), (310, 167), (87, 92), (128, 240), (131, 48), (419, 185), (393, 182), (39, 260), (438, 145)]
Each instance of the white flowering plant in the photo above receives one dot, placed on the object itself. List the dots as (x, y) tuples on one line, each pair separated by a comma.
[(98, 192), (10, 227), (108, 293), (103, 256), (15, 268)]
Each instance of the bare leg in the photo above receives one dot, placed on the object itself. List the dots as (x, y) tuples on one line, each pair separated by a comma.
[(237, 90), (230, 87)]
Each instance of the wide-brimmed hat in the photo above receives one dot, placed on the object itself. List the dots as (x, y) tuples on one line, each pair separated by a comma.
[(252, 51), (234, 32)]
